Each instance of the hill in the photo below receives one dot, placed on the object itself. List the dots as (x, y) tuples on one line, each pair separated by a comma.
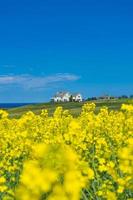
[(73, 107)]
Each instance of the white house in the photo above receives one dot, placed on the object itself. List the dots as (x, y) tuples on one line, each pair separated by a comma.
[(66, 97), (61, 97), (77, 97)]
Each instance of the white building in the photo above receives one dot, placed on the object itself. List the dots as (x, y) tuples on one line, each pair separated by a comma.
[(67, 97), (77, 97), (61, 97)]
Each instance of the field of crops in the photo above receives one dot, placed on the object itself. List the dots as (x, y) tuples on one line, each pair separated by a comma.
[(61, 157)]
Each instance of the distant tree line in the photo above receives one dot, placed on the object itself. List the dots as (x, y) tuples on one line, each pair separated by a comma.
[(109, 97)]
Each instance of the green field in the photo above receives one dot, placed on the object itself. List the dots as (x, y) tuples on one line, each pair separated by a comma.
[(73, 107)]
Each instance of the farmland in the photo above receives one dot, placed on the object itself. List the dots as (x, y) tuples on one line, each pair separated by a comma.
[(84, 156), (73, 107)]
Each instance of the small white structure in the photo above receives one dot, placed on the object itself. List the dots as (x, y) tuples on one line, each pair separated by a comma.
[(62, 97), (77, 97), (67, 97)]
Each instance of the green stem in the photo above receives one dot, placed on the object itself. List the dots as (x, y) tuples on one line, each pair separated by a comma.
[(84, 196)]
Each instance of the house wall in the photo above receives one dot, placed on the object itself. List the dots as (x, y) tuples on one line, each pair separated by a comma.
[(78, 98), (66, 98), (57, 99)]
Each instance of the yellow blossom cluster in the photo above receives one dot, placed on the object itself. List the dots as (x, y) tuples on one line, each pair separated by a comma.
[(65, 158)]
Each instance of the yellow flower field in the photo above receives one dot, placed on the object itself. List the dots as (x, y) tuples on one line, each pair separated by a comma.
[(67, 158)]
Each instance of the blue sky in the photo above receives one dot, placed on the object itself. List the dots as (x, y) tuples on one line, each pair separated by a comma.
[(77, 45)]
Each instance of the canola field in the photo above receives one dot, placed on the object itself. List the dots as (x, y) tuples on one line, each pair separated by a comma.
[(89, 157)]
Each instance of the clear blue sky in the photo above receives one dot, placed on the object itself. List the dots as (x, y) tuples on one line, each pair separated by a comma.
[(77, 45)]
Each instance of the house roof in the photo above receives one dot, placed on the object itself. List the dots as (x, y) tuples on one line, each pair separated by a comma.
[(60, 94)]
